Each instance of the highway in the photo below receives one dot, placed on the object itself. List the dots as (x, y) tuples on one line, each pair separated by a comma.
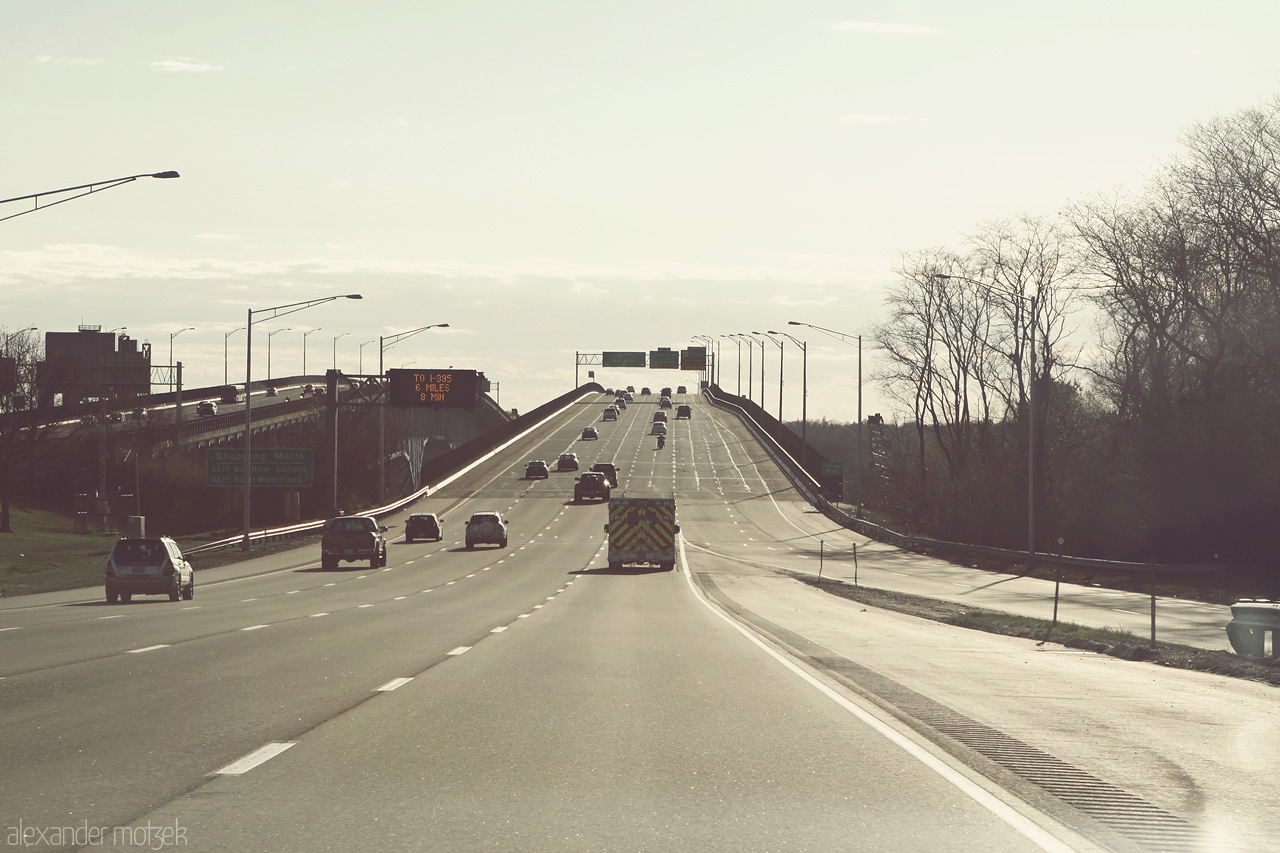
[(529, 698)]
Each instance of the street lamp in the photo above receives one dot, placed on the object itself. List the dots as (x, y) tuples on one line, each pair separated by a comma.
[(277, 311), (804, 392), (1033, 301), (335, 348), (270, 335), (739, 361), (88, 188), (780, 353), (10, 337), (117, 329), (174, 335), (709, 370), (226, 377), (360, 363), (755, 340), (384, 344), (846, 338), (304, 350)]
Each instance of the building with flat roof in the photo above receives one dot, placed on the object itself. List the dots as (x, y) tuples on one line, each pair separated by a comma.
[(90, 364)]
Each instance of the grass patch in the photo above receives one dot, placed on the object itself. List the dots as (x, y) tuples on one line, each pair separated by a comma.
[(45, 554), (1043, 630)]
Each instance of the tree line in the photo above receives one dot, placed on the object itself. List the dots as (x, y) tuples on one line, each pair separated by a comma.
[(1141, 334)]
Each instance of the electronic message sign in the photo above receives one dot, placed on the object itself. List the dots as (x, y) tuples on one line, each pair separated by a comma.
[(459, 389), (693, 358)]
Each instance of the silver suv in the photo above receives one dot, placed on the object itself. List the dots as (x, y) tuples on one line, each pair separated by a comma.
[(152, 566), (488, 528)]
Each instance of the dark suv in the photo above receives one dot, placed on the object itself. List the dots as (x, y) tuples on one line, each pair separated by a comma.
[(591, 485), (423, 525), (609, 470), (148, 567)]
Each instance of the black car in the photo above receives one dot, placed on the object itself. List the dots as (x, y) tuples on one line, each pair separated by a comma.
[(536, 468)]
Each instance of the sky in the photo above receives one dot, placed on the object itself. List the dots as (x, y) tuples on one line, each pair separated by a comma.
[(563, 177)]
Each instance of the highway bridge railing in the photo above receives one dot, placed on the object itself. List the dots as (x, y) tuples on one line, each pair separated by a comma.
[(783, 446)]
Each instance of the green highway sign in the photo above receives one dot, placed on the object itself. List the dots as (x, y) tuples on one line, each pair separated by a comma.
[(622, 359), (280, 467)]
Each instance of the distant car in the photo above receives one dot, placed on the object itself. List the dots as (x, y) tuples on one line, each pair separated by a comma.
[(658, 428), (423, 525), (666, 392), (536, 468), (620, 403), (148, 566), (610, 414), (682, 390), (206, 408), (609, 470), (567, 462), (487, 528), (631, 389), (590, 434), (659, 417), (664, 403), (271, 392), (591, 485), (644, 390), (629, 397), (115, 417), (684, 412)]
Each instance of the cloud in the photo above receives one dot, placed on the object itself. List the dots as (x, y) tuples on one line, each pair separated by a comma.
[(66, 60), (184, 65), (870, 119), (897, 29)]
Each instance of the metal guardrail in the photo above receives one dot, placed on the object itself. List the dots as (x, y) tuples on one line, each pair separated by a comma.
[(810, 489)]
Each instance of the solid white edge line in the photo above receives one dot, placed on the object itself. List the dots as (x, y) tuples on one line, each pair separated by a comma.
[(258, 756), (393, 684), (147, 649), (253, 627), (993, 804), (459, 650)]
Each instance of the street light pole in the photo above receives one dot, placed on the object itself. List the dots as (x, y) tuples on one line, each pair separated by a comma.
[(385, 343), (175, 376), (804, 394), (739, 360), (270, 335), (99, 186), (174, 335), (780, 354), (360, 363), (335, 348), (277, 311), (861, 458), (304, 350), (226, 376)]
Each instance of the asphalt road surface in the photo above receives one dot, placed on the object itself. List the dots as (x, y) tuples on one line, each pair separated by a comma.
[(531, 699)]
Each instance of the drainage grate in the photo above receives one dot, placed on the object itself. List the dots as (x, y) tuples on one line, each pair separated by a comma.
[(1131, 816)]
